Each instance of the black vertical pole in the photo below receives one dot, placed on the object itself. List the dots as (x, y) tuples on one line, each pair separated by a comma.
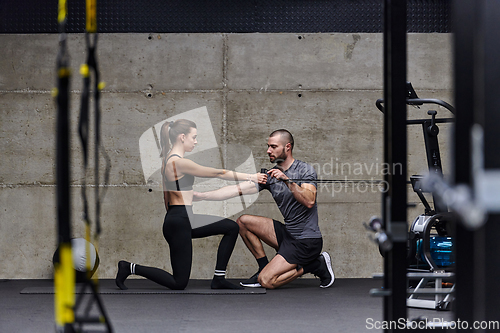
[(395, 155), (488, 109), (464, 27)]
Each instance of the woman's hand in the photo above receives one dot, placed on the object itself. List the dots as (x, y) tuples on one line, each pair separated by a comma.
[(260, 178)]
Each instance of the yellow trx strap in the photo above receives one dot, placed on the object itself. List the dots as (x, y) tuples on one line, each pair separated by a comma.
[(64, 274), (91, 16), (64, 283), (63, 11)]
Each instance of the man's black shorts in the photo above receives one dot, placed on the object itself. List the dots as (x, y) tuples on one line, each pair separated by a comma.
[(296, 251)]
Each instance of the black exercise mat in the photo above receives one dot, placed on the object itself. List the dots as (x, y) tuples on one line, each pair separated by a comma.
[(142, 286), (106, 290)]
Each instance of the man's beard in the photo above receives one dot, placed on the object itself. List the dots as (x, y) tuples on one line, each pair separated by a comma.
[(279, 158)]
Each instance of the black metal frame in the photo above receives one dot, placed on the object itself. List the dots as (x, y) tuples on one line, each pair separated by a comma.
[(476, 82), (394, 204), (486, 105), (464, 13)]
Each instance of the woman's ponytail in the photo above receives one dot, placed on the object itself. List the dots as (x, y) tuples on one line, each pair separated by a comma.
[(171, 130)]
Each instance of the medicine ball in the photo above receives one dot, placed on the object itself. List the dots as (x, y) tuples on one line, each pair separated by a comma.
[(79, 253)]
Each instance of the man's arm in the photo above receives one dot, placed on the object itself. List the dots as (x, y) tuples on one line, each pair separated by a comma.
[(227, 192), (305, 194)]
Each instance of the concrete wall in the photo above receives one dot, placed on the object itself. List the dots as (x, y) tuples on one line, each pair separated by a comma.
[(322, 87)]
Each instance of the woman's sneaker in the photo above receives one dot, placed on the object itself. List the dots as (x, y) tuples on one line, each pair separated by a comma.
[(252, 282)]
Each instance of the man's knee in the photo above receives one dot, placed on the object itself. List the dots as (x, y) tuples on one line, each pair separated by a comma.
[(266, 281), (243, 222)]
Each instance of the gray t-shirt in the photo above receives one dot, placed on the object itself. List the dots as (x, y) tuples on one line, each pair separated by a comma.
[(300, 221)]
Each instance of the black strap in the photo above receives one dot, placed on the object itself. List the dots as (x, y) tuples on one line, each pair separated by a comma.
[(89, 69), (175, 172), (171, 156)]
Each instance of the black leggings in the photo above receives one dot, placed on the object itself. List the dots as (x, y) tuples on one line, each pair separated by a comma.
[(178, 233)]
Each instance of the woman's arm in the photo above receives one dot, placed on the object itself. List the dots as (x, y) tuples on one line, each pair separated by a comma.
[(186, 166), (227, 192)]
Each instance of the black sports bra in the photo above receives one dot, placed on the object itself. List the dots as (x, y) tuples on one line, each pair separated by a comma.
[(184, 183)]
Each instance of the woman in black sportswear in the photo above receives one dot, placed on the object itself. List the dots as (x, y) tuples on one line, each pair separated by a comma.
[(178, 177)]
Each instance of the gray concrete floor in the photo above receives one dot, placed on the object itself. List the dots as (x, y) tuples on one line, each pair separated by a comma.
[(298, 307)]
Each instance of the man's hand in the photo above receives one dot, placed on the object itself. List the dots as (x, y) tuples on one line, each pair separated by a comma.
[(278, 174)]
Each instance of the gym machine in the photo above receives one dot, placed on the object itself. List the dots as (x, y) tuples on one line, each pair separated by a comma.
[(430, 247)]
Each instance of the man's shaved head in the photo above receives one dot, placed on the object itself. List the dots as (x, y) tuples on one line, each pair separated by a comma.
[(285, 135)]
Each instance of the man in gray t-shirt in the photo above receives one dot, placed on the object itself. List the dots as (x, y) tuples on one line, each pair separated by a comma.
[(300, 221), (298, 242)]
